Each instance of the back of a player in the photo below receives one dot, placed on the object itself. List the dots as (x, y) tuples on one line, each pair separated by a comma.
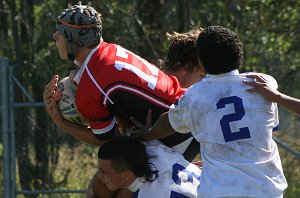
[(235, 133)]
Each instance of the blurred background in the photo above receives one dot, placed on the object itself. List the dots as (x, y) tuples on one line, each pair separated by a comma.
[(39, 160)]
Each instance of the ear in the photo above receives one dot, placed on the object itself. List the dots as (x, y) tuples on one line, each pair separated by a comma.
[(128, 175)]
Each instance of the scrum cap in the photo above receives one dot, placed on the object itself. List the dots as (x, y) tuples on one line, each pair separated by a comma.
[(81, 26)]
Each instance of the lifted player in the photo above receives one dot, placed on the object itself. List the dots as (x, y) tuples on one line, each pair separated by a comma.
[(112, 83)]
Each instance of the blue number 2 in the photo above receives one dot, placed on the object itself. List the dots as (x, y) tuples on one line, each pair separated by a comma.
[(237, 102)]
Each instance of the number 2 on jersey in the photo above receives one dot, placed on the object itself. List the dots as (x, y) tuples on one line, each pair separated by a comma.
[(237, 102)]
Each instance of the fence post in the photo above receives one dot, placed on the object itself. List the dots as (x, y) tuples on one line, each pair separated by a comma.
[(5, 127)]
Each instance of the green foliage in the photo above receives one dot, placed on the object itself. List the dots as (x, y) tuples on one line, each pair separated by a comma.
[(1, 150)]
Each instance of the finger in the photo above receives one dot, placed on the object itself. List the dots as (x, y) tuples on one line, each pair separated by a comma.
[(256, 77), (136, 133), (136, 122), (198, 163), (252, 83), (49, 89), (149, 117), (57, 96), (55, 78)]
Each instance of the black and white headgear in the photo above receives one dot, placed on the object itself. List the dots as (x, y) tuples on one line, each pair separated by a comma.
[(81, 26)]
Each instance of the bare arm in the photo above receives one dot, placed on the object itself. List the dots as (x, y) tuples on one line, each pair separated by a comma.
[(290, 103), (261, 85), (161, 129)]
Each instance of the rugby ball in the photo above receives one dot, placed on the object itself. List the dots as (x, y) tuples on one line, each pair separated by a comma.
[(67, 104)]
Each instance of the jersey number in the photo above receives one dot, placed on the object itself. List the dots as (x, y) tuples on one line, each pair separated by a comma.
[(237, 102), (189, 177), (151, 79)]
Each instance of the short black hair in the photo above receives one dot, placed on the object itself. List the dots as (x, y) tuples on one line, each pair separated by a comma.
[(219, 50), (129, 153)]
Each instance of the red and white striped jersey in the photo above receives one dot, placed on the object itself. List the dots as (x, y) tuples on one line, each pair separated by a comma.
[(115, 82)]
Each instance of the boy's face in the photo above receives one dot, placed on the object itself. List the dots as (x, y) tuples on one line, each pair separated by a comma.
[(61, 45), (112, 178)]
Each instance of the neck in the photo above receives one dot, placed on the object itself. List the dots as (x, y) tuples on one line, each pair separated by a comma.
[(81, 55), (186, 78)]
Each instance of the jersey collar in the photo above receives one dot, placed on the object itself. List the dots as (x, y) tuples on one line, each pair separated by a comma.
[(78, 75)]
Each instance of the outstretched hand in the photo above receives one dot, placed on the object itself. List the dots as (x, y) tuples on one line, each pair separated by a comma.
[(263, 86), (141, 130)]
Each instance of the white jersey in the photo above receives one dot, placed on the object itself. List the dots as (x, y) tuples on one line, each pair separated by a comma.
[(177, 177), (234, 129)]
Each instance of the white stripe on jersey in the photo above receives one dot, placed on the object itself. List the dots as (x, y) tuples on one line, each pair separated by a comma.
[(85, 67), (106, 129), (136, 91)]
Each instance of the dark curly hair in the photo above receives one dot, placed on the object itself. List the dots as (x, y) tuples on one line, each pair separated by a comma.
[(219, 50), (182, 50), (129, 153)]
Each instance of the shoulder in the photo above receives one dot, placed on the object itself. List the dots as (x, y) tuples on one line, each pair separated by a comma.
[(268, 78)]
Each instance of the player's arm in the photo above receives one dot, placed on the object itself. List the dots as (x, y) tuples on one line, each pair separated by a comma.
[(82, 133), (161, 129), (262, 86), (290, 103), (78, 131)]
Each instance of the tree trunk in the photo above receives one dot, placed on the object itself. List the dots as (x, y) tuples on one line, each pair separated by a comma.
[(4, 26), (184, 19)]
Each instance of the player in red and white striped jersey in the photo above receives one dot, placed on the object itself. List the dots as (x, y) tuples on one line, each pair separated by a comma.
[(113, 83)]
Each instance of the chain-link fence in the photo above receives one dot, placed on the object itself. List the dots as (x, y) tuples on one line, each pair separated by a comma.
[(38, 159)]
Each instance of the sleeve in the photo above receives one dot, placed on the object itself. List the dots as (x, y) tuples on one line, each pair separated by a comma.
[(179, 115), (103, 126), (271, 81)]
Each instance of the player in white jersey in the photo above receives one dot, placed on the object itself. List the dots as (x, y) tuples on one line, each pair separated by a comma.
[(233, 126), (147, 169)]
